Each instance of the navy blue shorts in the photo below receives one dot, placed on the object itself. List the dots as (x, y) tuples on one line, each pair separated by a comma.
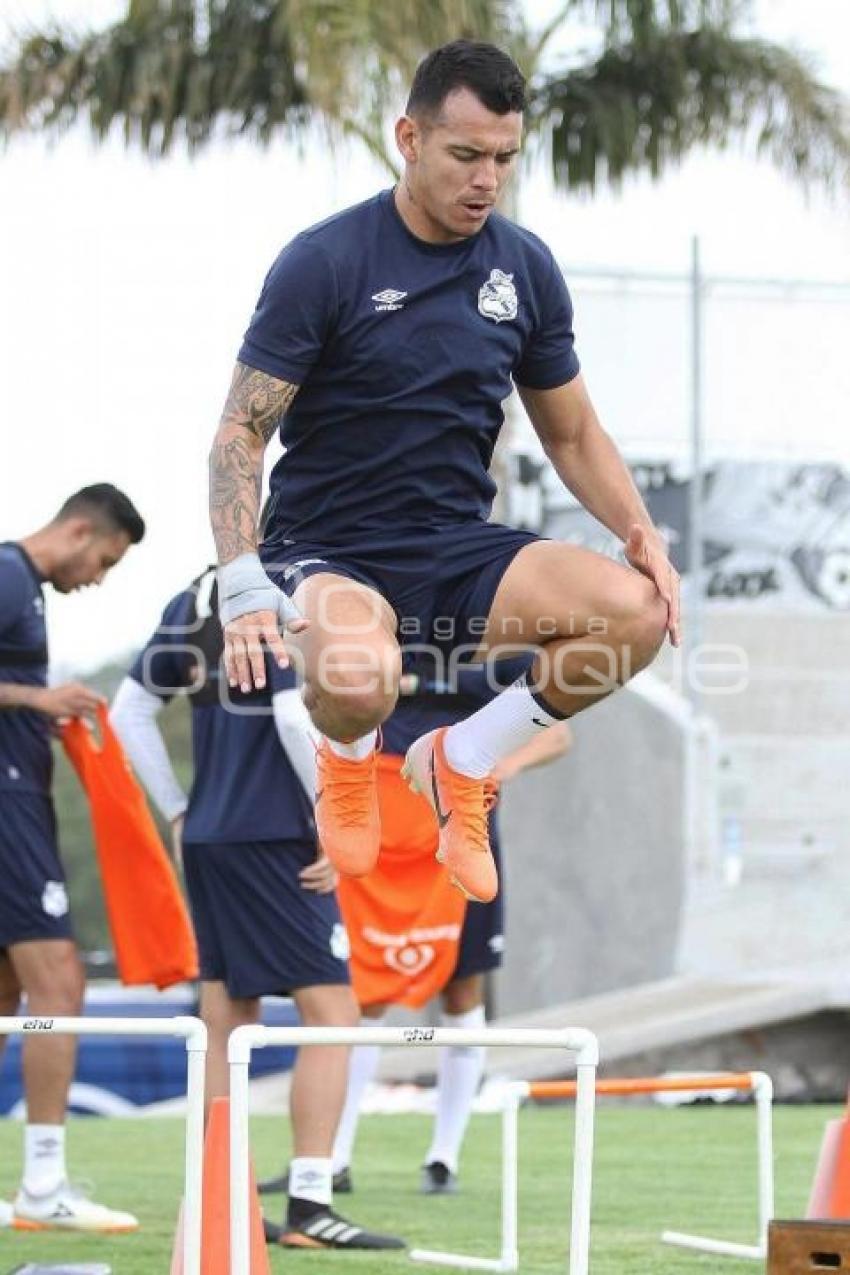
[(482, 939), (33, 894), (440, 583), (259, 932)]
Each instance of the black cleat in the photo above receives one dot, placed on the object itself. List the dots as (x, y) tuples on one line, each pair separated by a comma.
[(274, 1186), (438, 1179), (342, 1184), (271, 1232), (326, 1229)]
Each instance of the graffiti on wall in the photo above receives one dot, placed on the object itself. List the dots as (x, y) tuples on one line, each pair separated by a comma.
[(775, 534)]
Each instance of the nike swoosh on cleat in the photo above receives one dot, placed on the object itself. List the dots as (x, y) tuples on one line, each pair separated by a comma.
[(442, 819)]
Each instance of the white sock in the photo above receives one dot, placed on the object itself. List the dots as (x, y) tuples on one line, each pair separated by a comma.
[(458, 1077), (44, 1158), (310, 1179), (507, 723), (358, 749), (362, 1065)]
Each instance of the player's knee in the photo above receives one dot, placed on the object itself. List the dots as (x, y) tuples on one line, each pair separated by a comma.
[(328, 1005), (10, 991), (643, 621), (9, 1003), (652, 621), (223, 1013), (358, 688), (57, 985)]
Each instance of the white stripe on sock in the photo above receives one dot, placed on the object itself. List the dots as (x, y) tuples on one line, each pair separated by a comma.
[(358, 749)]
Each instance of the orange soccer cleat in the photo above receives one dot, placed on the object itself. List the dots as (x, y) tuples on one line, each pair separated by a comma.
[(461, 805), (347, 818)]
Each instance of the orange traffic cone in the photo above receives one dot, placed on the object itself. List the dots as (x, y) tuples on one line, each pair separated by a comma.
[(215, 1222), (830, 1196)]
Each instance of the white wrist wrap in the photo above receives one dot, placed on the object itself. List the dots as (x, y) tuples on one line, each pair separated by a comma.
[(243, 587)]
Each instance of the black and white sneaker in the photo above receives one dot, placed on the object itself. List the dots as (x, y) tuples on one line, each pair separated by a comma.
[(326, 1229), (438, 1179), (271, 1231), (342, 1184)]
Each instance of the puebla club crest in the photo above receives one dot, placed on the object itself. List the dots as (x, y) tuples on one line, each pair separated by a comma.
[(497, 299)]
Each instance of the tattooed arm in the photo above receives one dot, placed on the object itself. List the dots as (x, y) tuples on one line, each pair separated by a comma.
[(252, 413)]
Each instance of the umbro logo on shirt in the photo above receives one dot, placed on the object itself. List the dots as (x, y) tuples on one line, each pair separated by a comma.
[(389, 299)]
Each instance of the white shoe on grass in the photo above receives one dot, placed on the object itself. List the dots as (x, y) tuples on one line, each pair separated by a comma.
[(68, 1208)]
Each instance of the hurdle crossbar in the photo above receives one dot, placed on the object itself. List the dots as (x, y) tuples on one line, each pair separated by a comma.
[(756, 1082), (577, 1041), (193, 1031)]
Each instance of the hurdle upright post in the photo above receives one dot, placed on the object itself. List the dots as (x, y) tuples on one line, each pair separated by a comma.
[(578, 1041), (761, 1087), (586, 1065), (756, 1082), (194, 1033)]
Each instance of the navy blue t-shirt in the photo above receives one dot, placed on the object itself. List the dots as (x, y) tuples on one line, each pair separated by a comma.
[(26, 758), (405, 352), (244, 787), (438, 702)]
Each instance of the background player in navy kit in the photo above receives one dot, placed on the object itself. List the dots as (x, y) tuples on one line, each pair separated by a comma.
[(384, 344), (262, 900), (38, 956)]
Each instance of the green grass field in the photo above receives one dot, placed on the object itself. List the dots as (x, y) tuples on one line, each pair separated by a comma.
[(687, 1168)]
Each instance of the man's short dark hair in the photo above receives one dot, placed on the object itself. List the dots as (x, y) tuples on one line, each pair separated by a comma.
[(106, 505), (486, 71)]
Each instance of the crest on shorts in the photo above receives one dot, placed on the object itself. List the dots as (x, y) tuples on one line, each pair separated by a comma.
[(497, 299), (340, 946), (54, 898)]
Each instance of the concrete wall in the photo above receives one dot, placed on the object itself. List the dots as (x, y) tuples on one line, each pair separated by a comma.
[(595, 859), (808, 1058), (779, 894)]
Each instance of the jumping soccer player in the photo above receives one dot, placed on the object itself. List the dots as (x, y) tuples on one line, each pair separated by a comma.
[(262, 902), (383, 346), (38, 956)]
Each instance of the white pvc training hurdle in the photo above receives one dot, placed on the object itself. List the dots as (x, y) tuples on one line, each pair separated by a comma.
[(577, 1041), (193, 1031), (516, 1093)]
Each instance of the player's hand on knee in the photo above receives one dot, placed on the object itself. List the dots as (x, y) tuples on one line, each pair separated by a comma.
[(321, 877), (246, 640), (252, 611), (648, 555)]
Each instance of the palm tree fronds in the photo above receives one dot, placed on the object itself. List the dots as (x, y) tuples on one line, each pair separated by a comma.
[(641, 21), (645, 106), (154, 76)]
